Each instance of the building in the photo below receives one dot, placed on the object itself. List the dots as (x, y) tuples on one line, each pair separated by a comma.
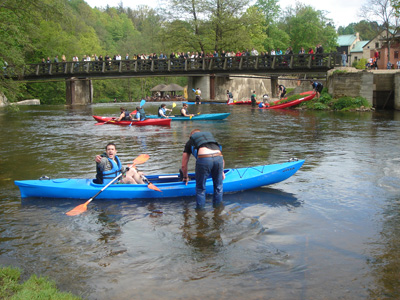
[(346, 43)]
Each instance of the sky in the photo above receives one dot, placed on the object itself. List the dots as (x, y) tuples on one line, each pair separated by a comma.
[(342, 12)]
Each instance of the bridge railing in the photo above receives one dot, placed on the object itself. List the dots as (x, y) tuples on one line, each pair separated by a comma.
[(179, 66)]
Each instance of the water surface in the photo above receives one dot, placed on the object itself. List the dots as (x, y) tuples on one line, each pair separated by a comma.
[(329, 232)]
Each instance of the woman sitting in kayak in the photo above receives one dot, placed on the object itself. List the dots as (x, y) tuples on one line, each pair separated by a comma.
[(108, 166), (124, 116)]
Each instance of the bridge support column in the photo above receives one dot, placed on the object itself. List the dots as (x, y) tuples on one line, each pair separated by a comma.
[(201, 82), (79, 91), (274, 83)]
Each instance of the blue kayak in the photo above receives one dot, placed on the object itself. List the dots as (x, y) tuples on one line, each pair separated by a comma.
[(202, 117), (236, 180)]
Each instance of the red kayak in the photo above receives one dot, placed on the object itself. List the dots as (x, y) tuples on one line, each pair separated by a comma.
[(242, 102), (309, 95), (109, 120)]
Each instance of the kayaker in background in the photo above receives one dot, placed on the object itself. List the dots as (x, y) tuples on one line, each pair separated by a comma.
[(198, 96), (265, 101), (209, 160), (281, 91), (317, 87), (184, 111), (124, 116), (136, 115), (162, 110), (230, 96), (108, 166), (253, 99)]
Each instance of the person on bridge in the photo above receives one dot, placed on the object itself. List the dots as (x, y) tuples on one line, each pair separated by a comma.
[(281, 91), (317, 87), (108, 166), (184, 111), (162, 110), (209, 161), (124, 116)]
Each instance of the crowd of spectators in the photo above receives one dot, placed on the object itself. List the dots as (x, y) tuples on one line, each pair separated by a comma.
[(187, 55)]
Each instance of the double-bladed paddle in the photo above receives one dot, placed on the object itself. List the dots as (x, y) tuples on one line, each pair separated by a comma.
[(150, 185), (173, 106), (141, 159)]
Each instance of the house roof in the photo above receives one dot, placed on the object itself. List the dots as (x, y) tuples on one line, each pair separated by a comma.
[(358, 47), (346, 40)]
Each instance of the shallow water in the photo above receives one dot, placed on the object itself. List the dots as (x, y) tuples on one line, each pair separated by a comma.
[(328, 232)]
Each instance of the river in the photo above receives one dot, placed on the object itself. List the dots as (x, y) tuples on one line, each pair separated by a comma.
[(331, 231)]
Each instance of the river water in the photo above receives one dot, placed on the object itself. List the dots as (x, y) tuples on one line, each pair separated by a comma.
[(331, 231)]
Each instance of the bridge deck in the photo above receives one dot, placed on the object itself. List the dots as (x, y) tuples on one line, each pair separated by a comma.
[(276, 64)]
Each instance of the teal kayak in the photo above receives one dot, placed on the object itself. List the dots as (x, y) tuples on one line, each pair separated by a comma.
[(171, 186), (203, 117)]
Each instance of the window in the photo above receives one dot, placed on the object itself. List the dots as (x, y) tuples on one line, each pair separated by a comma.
[(396, 54), (377, 45)]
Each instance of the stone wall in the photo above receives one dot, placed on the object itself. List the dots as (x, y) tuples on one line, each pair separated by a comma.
[(397, 91), (79, 91), (3, 100), (351, 84), (240, 86)]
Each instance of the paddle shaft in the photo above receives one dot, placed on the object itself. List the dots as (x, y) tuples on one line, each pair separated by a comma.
[(106, 186)]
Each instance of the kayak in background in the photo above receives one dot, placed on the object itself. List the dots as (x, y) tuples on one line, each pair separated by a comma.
[(109, 120), (200, 117)]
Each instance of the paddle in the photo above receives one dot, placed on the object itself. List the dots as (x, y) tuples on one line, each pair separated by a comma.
[(173, 106), (193, 116), (102, 123), (150, 185), (142, 158), (142, 102)]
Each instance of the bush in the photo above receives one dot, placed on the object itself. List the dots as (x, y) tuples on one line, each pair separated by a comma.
[(361, 64), (346, 103)]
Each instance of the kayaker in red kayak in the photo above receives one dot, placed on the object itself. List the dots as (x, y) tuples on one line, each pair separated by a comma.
[(108, 166), (209, 161), (124, 116)]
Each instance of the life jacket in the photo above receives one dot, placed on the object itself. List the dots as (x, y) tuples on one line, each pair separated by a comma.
[(104, 177), (282, 88), (142, 114), (163, 110), (200, 138), (185, 112), (230, 95), (127, 117)]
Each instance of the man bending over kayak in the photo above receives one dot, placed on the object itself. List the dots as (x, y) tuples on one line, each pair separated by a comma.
[(108, 166)]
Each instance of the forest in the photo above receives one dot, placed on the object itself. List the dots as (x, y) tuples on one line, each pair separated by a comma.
[(33, 30)]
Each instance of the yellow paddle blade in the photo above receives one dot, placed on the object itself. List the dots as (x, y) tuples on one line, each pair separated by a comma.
[(79, 209), (173, 105)]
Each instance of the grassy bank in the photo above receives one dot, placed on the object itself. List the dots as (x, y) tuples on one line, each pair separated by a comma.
[(34, 288), (326, 102)]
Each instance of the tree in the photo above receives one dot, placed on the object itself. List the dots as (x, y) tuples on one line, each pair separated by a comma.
[(307, 27), (383, 11)]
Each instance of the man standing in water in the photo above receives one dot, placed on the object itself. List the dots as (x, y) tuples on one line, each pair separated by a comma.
[(253, 99), (209, 160)]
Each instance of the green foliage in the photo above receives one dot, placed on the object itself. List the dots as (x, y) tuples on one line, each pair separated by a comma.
[(347, 103), (361, 64), (34, 288)]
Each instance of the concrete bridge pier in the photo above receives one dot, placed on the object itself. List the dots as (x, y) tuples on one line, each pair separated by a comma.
[(79, 91)]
